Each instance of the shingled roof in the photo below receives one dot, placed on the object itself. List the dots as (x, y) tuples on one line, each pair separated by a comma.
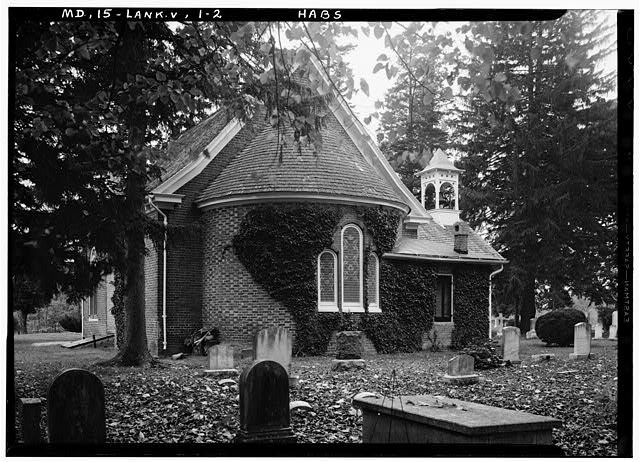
[(339, 169), (440, 244)]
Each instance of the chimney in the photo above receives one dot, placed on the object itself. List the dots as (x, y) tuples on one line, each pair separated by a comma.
[(460, 239)]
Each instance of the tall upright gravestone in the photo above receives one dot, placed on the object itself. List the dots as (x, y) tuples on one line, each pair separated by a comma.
[(75, 408), (264, 404), (581, 341), (613, 328), (275, 344), (511, 344)]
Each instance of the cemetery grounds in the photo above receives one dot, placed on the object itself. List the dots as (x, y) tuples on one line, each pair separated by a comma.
[(175, 403)]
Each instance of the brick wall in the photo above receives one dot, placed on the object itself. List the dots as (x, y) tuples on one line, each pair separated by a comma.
[(231, 299), (185, 257)]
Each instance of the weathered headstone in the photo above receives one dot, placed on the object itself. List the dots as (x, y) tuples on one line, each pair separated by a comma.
[(598, 331), (460, 370), (221, 361), (264, 404), (348, 351), (613, 328), (31, 420), (531, 334), (511, 344), (75, 408), (581, 341), (276, 344)]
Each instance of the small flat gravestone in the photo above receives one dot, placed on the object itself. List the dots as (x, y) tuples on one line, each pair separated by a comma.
[(275, 344), (460, 371), (75, 408), (264, 404), (221, 361), (348, 351), (581, 341), (511, 345)]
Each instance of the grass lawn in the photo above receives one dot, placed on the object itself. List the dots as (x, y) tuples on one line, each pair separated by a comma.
[(175, 403)]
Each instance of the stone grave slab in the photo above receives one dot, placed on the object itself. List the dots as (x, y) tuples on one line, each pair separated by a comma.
[(581, 341), (597, 331), (264, 404), (31, 420), (613, 328), (460, 371), (511, 344), (427, 419), (349, 345), (75, 408)]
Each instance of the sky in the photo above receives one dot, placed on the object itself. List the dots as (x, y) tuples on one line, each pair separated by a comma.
[(363, 58)]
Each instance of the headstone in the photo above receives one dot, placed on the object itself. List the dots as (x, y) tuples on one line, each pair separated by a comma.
[(264, 404), (460, 370), (511, 344), (75, 408), (531, 334), (349, 345), (613, 328), (221, 361), (581, 341), (276, 344), (31, 420), (598, 331), (348, 351)]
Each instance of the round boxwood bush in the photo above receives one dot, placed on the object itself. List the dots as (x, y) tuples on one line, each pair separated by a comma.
[(556, 327)]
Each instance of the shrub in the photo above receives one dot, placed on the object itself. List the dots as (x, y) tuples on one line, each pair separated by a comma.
[(71, 322), (556, 327), (484, 354)]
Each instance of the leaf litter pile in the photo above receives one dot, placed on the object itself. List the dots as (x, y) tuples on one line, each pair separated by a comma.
[(177, 404)]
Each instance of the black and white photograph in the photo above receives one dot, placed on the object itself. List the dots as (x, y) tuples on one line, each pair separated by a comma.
[(319, 231)]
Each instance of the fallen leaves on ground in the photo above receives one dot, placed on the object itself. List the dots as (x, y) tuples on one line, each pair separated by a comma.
[(177, 404)]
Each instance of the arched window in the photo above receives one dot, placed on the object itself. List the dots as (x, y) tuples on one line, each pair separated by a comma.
[(430, 197), (373, 281), (327, 281), (447, 196), (351, 264)]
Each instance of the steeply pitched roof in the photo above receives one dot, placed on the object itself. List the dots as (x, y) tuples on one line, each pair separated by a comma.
[(339, 169), (440, 244), (182, 151)]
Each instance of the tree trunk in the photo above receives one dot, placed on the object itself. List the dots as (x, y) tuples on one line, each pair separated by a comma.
[(528, 303)]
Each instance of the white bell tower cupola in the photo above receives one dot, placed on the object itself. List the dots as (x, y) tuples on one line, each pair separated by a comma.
[(439, 185)]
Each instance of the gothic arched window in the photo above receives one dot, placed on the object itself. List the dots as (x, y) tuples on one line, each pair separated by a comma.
[(327, 281), (351, 264)]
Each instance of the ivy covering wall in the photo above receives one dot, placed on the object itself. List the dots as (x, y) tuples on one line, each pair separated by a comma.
[(279, 246), (471, 302)]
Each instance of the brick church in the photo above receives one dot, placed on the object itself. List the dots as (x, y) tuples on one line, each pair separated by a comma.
[(221, 169)]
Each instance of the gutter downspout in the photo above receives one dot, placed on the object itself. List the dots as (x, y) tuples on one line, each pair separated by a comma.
[(164, 275), (490, 291)]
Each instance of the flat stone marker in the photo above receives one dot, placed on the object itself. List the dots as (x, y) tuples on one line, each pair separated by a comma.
[(460, 370), (221, 361), (75, 408), (264, 404), (511, 345), (598, 331), (613, 328), (275, 344), (427, 419), (543, 357), (581, 341)]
